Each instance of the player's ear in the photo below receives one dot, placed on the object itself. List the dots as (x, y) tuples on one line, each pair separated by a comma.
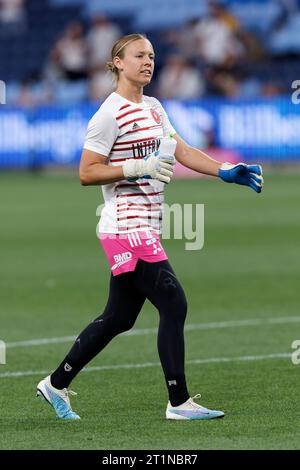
[(118, 63)]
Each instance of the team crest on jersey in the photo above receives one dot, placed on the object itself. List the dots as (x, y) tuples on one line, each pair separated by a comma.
[(155, 116)]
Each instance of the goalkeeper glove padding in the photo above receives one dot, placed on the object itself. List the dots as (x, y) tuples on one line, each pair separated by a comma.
[(158, 167), (248, 175)]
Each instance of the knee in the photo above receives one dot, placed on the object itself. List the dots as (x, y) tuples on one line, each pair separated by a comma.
[(114, 324), (176, 296), (176, 305), (172, 297)]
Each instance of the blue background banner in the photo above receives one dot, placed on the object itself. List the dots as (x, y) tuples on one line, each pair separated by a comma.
[(268, 130)]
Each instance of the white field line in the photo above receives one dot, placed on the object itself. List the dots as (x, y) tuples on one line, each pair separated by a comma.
[(216, 360), (146, 331)]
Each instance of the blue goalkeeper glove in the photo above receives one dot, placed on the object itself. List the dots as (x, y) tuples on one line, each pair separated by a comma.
[(248, 175)]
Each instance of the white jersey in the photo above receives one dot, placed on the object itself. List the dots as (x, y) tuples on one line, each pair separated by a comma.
[(120, 130)]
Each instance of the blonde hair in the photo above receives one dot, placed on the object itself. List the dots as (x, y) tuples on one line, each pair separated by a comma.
[(118, 51)]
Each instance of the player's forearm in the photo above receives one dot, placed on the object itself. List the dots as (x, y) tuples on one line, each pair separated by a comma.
[(98, 174), (199, 161)]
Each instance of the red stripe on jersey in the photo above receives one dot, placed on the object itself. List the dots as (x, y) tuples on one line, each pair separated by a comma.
[(147, 204), (143, 129), (138, 208), (132, 184), (135, 141), (132, 120), (135, 226), (124, 106), (130, 148), (129, 112), (139, 217), (139, 194), (120, 159)]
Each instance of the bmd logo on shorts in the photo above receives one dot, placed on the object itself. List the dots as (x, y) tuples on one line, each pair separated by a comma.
[(121, 258)]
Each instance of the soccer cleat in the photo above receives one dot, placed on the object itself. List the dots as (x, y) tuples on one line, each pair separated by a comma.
[(191, 410), (58, 399)]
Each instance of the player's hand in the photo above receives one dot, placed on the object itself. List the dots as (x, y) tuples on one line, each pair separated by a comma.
[(158, 167), (248, 175)]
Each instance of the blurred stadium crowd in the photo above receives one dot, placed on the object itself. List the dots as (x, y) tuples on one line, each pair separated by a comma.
[(55, 51)]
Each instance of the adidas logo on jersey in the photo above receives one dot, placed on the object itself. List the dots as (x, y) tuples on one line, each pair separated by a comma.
[(135, 126)]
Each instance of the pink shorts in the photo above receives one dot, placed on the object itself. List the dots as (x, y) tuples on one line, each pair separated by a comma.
[(123, 251)]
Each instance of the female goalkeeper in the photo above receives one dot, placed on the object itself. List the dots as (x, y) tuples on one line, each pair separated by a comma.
[(122, 153)]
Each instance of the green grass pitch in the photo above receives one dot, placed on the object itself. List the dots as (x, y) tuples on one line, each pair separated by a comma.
[(54, 280)]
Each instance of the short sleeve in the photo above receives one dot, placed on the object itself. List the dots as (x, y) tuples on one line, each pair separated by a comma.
[(102, 132), (167, 126)]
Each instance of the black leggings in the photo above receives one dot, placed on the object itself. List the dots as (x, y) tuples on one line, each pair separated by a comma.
[(128, 292)]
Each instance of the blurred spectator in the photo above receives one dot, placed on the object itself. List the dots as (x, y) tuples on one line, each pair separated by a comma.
[(12, 16), (243, 42), (179, 79), (100, 83), (219, 10), (12, 11), (101, 38), (69, 53), (53, 70), (224, 83), (216, 41)]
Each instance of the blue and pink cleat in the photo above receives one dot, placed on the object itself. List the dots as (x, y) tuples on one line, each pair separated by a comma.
[(58, 399), (191, 410)]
